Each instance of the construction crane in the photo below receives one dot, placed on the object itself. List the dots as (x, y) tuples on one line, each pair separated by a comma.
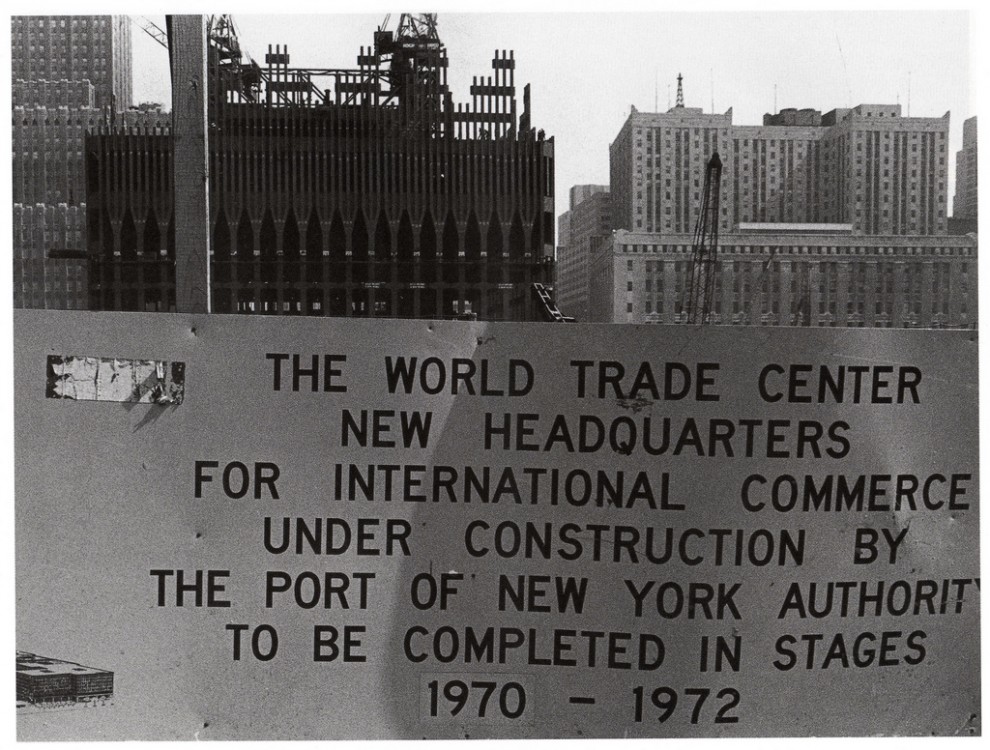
[(241, 77), (406, 67), (152, 29), (415, 66), (700, 287)]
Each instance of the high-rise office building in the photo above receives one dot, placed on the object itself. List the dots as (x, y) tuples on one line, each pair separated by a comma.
[(588, 227), (965, 203), (70, 75)]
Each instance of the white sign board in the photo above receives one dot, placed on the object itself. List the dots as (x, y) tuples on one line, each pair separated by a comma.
[(325, 529)]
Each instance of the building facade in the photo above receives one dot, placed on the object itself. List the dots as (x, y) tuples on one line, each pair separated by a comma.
[(49, 264), (50, 120), (75, 48), (868, 166), (965, 203), (588, 226), (71, 74), (377, 196), (835, 219), (793, 275)]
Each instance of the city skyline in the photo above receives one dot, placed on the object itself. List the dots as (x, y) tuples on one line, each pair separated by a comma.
[(870, 169), (582, 98)]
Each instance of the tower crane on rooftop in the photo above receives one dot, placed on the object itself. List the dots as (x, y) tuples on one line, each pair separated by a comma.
[(416, 65)]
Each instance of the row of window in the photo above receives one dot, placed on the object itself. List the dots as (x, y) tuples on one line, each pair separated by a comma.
[(801, 250)]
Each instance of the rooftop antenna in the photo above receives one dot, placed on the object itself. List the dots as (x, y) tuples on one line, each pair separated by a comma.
[(668, 96), (711, 75), (909, 93), (775, 98), (680, 90), (845, 72), (656, 95)]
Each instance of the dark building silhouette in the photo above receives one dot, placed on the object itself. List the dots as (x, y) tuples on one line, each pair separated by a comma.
[(364, 192)]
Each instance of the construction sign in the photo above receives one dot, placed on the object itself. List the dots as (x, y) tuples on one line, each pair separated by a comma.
[(234, 527)]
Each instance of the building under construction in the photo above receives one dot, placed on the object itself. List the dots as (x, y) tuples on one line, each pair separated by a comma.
[(365, 192)]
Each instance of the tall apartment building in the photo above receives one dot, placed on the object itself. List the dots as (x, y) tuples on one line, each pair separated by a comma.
[(867, 166), (371, 194), (965, 203), (75, 48), (69, 75), (588, 226)]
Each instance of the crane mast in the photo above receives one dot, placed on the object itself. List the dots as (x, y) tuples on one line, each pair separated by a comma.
[(701, 273)]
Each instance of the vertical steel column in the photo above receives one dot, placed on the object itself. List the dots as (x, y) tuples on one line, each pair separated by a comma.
[(190, 163)]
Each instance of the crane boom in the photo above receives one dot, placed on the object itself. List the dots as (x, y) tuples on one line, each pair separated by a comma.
[(152, 29), (702, 271)]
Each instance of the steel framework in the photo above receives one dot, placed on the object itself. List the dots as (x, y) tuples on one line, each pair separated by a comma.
[(704, 259)]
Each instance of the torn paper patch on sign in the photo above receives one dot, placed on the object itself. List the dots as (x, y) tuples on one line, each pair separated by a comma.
[(139, 381)]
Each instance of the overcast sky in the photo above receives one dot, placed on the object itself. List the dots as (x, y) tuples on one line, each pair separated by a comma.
[(586, 69)]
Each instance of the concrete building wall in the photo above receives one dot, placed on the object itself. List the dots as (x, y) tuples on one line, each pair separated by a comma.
[(622, 179), (588, 221), (658, 169), (603, 292), (579, 193), (77, 48), (892, 172), (48, 255), (795, 279), (563, 230), (868, 166), (69, 74), (47, 161), (775, 174), (965, 203), (48, 176)]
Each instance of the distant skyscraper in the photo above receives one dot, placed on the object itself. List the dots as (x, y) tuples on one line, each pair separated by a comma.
[(867, 166), (579, 192), (75, 48), (588, 230), (966, 202), (69, 74)]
